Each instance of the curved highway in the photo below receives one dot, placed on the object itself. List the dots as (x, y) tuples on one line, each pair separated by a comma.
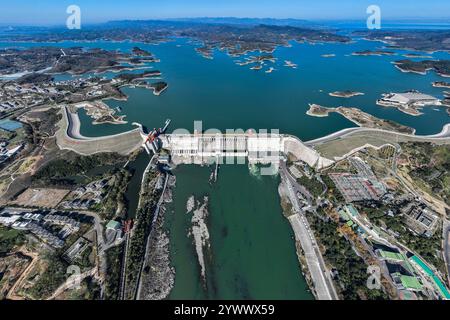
[(441, 136)]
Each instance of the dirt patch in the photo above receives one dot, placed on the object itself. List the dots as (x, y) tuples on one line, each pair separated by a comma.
[(47, 198), (11, 267)]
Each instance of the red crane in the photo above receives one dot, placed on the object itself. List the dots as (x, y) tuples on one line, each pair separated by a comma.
[(154, 134)]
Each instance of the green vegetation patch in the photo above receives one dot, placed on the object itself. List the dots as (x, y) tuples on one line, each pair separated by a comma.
[(51, 278), (313, 185), (10, 238), (90, 290), (114, 258), (430, 167), (141, 231), (352, 270), (428, 248), (116, 195), (63, 172)]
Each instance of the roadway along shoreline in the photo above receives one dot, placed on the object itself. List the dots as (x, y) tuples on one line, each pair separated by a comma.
[(69, 137), (439, 137), (320, 275)]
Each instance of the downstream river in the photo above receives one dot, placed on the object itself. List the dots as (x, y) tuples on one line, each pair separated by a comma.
[(252, 251)]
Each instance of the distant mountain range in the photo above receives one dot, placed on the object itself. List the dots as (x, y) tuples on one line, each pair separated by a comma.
[(251, 21), (225, 21)]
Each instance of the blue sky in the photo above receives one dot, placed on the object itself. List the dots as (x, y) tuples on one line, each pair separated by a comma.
[(53, 12)]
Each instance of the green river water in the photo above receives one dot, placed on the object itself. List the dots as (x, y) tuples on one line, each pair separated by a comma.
[(252, 253)]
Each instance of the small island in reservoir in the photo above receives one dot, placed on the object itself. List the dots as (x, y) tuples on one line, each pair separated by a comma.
[(441, 84), (416, 56), (360, 118), (290, 64), (373, 53), (316, 110), (158, 87), (345, 94)]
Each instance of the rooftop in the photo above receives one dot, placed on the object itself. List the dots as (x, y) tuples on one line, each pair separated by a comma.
[(113, 225), (410, 282), (392, 255)]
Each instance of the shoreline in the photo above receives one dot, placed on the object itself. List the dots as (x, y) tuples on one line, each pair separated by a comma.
[(409, 111), (443, 135), (358, 117), (98, 110), (422, 73), (72, 131)]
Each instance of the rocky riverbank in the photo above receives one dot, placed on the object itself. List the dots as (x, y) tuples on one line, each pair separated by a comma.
[(158, 276)]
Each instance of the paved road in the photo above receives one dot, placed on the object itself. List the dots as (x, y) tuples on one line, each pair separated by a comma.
[(447, 247), (101, 245), (296, 188), (320, 275), (123, 269), (443, 135)]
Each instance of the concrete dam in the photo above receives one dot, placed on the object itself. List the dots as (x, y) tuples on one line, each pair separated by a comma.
[(197, 148), (233, 148)]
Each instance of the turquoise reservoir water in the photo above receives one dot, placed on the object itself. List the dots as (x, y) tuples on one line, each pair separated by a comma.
[(226, 96)]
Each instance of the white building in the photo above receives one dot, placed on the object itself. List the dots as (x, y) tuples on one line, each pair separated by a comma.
[(410, 98), (8, 220)]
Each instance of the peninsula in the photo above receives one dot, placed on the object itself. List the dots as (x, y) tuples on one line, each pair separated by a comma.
[(360, 118), (441, 67), (419, 40), (373, 53), (441, 84)]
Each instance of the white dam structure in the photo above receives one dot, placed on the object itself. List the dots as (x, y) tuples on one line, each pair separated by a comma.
[(229, 148)]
